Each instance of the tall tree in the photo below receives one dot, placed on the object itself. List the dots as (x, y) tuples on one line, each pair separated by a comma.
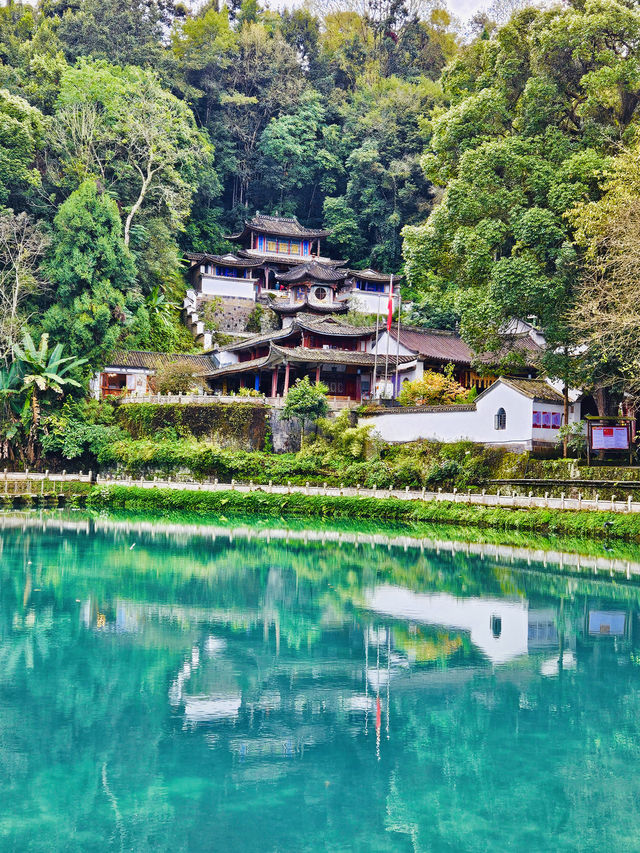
[(22, 246), (21, 136), (605, 316), (535, 111), (122, 125), (96, 302)]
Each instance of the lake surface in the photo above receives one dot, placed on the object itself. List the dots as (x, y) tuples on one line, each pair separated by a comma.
[(171, 688)]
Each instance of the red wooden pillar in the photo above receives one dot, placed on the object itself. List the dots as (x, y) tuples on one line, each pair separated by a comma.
[(242, 380), (274, 381), (317, 374), (286, 379)]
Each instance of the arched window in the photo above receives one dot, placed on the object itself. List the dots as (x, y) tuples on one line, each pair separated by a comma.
[(501, 419)]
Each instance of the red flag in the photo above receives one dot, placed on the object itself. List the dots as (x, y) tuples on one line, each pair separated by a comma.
[(390, 309)]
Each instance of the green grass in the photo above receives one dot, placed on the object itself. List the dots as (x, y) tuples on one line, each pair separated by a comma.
[(565, 522)]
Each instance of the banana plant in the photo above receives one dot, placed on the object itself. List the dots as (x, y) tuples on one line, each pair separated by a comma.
[(42, 371), (160, 306)]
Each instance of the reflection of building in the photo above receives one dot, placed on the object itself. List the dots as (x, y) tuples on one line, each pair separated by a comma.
[(498, 627)]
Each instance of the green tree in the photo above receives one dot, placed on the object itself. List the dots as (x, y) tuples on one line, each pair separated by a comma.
[(121, 125), (121, 32), (535, 110), (96, 303), (21, 136), (306, 401)]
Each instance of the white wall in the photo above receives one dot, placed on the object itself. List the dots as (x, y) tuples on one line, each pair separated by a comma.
[(381, 346), (217, 285), (369, 303), (478, 425)]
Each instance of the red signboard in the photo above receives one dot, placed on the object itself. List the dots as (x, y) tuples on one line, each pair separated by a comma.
[(609, 437)]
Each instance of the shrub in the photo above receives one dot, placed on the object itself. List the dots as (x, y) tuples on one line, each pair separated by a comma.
[(177, 378), (433, 389)]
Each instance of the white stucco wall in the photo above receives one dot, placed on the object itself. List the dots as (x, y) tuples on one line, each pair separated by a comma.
[(369, 303), (478, 425), (381, 345), (240, 288)]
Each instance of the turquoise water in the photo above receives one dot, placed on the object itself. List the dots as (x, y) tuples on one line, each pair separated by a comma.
[(172, 688)]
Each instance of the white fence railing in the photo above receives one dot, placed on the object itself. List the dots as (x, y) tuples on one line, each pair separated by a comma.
[(471, 498)]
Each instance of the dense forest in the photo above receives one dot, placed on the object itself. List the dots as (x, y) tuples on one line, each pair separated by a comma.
[(497, 166)]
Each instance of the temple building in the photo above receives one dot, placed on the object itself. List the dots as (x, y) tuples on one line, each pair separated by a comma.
[(325, 349), (278, 263), (434, 349)]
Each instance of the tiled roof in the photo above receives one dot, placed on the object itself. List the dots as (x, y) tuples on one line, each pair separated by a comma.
[(320, 325), (436, 344), (280, 355), (156, 360), (314, 271), (535, 389), (284, 307), (329, 326), (335, 356), (262, 338), (373, 275), (448, 346), (288, 260), (282, 226), (228, 260)]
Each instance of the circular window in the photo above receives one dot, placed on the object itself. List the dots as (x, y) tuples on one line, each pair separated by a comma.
[(321, 293)]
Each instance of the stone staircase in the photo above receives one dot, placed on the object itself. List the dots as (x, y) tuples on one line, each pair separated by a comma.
[(232, 317)]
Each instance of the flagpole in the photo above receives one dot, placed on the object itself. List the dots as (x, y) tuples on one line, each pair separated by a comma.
[(375, 355), (386, 363), (398, 345)]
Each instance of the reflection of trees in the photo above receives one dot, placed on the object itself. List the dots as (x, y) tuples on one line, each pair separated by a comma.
[(88, 732)]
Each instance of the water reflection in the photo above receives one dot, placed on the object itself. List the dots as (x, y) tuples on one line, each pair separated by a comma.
[(198, 692)]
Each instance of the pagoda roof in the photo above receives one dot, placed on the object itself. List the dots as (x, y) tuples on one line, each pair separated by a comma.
[(319, 325), (332, 326), (312, 270), (228, 260), (305, 306), (262, 338), (301, 355), (335, 356), (288, 260), (373, 275), (280, 226)]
